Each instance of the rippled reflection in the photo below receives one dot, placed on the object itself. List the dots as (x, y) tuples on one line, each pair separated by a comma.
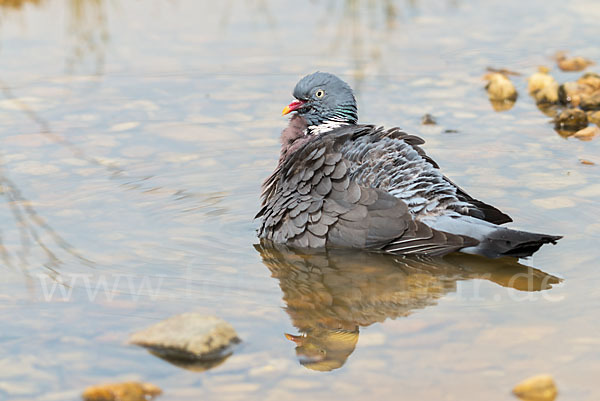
[(87, 31), (35, 234), (330, 295), (17, 4), (89, 35)]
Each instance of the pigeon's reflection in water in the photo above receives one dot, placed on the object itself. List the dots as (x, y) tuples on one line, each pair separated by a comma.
[(331, 294)]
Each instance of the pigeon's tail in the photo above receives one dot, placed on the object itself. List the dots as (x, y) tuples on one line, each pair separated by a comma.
[(507, 242), (494, 241)]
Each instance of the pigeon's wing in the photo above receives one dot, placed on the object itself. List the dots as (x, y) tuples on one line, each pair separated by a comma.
[(394, 161), (479, 209), (313, 201)]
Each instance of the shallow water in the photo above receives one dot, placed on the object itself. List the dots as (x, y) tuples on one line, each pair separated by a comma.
[(135, 136)]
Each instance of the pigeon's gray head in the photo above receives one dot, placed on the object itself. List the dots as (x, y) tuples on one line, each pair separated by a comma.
[(324, 98)]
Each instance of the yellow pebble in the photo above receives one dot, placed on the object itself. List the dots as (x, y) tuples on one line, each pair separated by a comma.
[(128, 391), (499, 87), (536, 388)]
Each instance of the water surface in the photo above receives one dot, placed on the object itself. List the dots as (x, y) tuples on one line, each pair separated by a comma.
[(134, 138)]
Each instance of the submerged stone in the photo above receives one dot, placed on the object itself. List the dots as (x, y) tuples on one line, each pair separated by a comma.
[(585, 92), (587, 134), (571, 120), (591, 102), (128, 391), (188, 339), (594, 117), (590, 79), (577, 63), (428, 119), (572, 92)]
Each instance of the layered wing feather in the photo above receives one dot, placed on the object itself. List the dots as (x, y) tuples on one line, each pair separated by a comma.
[(392, 160)]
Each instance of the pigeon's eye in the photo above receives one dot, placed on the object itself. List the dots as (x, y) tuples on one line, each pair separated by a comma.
[(320, 93)]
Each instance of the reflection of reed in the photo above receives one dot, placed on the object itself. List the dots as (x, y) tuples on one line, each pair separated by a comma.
[(209, 201), (353, 27), (17, 4), (31, 226), (363, 28), (32, 229), (360, 27), (89, 32), (330, 295), (260, 8), (56, 138), (87, 29)]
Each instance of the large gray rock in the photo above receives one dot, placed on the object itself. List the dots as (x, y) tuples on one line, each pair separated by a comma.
[(188, 337)]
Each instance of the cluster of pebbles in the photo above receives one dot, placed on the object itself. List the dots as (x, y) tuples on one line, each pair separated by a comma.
[(573, 105)]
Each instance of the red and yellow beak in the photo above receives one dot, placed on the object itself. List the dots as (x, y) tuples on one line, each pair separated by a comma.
[(295, 105)]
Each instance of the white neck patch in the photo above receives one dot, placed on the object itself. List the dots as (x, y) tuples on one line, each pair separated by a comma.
[(326, 126)]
